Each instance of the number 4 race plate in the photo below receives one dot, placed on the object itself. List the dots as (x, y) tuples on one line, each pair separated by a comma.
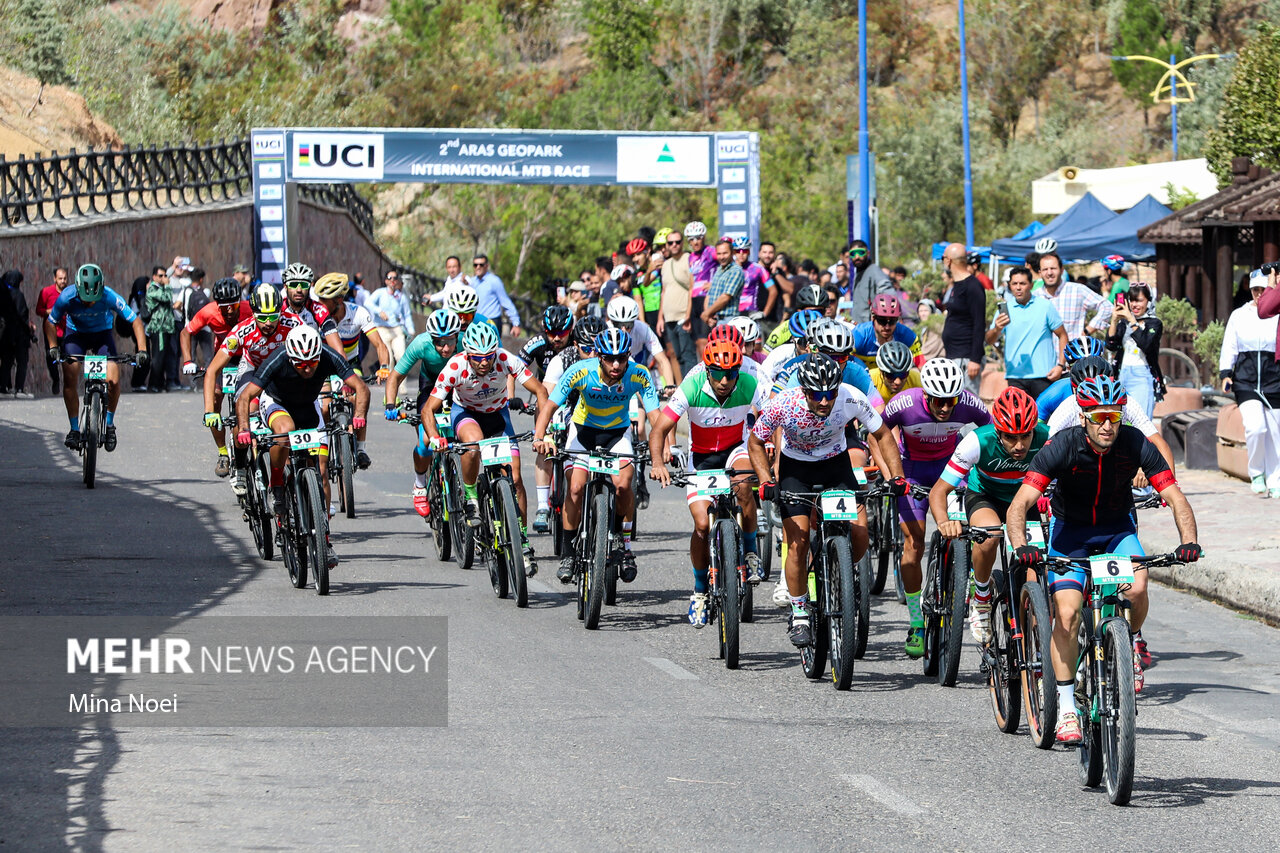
[(710, 483), (839, 505), (95, 367), (304, 439), (1111, 569), (495, 451)]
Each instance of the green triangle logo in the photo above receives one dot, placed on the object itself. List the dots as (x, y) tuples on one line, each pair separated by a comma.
[(665, 156)]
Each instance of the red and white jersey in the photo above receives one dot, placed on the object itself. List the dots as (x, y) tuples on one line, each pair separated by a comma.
[(247, 342), (487, 393), (210, 316), (314, 314)]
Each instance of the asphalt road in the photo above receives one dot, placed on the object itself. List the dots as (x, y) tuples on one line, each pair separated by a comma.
[(634, 736)]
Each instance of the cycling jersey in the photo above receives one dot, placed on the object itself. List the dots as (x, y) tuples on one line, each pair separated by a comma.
[(854, 374), (1094, 488), (981, 460), (602, 406), (748, 367), (923, 438), (1053, 397), (1068, 415), (701, 266), (90, 316), (477, 392), (807, 437), (779, 336), (650, 293), (881, 385), (354, 323), (295, 393), (777, 357), (644, 343), (248, 343), (211, 316), (865, 345), (314, 315), (538, 353), (715, 425), (422, 350), (757, 280)]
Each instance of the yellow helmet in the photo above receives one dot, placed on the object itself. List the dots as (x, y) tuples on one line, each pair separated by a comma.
[(331, 285)]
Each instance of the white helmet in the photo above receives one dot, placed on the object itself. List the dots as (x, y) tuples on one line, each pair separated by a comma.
[(462, 299), (623, 309), (695, 229), (941, 377), (750, 331), (1045, 245), (303, 344), (831, 335)]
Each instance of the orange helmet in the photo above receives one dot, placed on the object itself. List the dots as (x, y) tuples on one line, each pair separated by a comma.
[(723, 354)]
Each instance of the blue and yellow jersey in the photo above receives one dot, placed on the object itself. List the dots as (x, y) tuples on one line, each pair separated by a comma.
[(865, 345), (602, 406)]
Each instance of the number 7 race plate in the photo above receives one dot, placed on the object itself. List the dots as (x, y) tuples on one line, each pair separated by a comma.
[(495, 451), (1111, 569), (839, 505)]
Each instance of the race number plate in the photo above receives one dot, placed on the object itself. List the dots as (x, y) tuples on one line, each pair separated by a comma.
[(839, 505), (495, 451), (1111, 569), (1035, 534), (304, 439), (955, 509), (229, 379), (604, 465), (95, 367), (709, 483), (860, 475), (444, 425), (256, 427)]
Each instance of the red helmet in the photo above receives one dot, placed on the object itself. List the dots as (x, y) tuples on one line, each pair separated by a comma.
[(886, 306), (1014, 412), (726, 332), (724, 354), (637, 246)]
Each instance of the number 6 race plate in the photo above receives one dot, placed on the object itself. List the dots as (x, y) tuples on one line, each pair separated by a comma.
[(229, 379), (304, 439), (710, 483), (95, 367), (1111, 569), (839, 505), (603, 465), (495, 451)]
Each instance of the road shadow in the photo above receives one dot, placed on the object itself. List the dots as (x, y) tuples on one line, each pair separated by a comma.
[(1150, 792), (72, 551), (1174, 692), (1214, 655)]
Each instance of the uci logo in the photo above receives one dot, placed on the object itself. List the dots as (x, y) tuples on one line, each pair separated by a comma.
[(353, 156), (731, 149)]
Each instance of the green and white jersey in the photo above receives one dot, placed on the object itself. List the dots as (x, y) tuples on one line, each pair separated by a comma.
[(981, 460), (714, 425)]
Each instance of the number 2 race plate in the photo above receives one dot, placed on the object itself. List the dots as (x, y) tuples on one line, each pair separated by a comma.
[(708, 484), (839, 505)]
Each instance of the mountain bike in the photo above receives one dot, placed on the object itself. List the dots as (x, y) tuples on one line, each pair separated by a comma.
[(944, 598), (304, 529), (342, 445), (730, 600), (556, 432), (498, 537), (442, 512), (256, 501), (93, 414), (1104, 670), (884, 535)]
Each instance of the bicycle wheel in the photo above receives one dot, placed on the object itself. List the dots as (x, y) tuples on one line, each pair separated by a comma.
[(441, 538), (1039, 689), (1003, 682), (346, 475), (726, 551), (509, 541), (878, 544), (935, 565), (599, 568), (464, 545), (1118, 710), (1088, 703), (492, 554), (747, 597), (841, 605), (90, 435), (295, 558), (764, 545), (262, 519), (954, 599), (895, 551), (865, 579), (314, 526)]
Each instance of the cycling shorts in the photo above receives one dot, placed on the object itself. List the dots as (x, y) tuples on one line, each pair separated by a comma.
[(1064, 541), (89, 343), (975, 500), (584, 439), (491, 424), (926, 473), (733, 458), (306, 418), (802, 475)]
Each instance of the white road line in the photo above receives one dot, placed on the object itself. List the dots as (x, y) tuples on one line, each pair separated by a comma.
[(672, 669), (881, 793)]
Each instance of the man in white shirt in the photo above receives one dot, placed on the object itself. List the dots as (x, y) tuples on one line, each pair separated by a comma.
[(390, 310)]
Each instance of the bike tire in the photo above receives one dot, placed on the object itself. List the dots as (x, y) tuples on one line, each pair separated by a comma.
[(1039, 689), (727, 552), (1089, 753), (295, 560), (841, 610), (441, 536), (510, 516), (264, 532), (955, 605), (598, 571), (878, 544), (316, 522), (346, 477), (460, 535), (935, 565), (1119, 710), (865, 579), (1003, 682), (895, 552), (90, 438), (492, 553), (748, 599), (764, 546)]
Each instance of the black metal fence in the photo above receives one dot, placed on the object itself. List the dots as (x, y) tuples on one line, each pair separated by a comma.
[(343, 196)]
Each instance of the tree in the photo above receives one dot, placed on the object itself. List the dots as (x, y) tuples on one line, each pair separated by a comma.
[(1143, 30), (42, 36), (1249, 124), (622, 33)]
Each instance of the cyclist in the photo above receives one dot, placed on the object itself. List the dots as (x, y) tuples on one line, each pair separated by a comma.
[(833, 339), (604, 385), (991, 460), (477, 380), (794, 345), (1092, 514), (928, 420), (287, 386), (808, 296), (585, 331), (224, 313), (298, 279), (89, 309), (463, 300), (885, 325), (557, 334), (813, 455), (1064, 388), (623, 312), (758, 279), (894, 372), (429, 351), (719, 405), (751, 350)]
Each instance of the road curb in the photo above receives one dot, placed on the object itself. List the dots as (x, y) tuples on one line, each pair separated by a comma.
[(1252, 590)]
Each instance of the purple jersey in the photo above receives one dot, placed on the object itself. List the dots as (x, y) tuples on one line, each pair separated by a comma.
[(923, 438), (757, 277), (701, 266)]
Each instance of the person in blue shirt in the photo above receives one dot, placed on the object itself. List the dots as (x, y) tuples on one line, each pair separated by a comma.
[(1075, 351), (1033, 336), (494, 300), (601, 421), (831, 338), (89, 308), (885, 325)]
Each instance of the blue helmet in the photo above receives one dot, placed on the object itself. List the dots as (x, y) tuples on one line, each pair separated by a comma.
[(613, 342), (799, 322), (740, 243), (1115, 263), (1100, 391), (1083, 347)]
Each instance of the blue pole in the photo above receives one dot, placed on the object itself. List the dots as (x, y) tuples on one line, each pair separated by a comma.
[(964, 105), (864, 146), (1173, 104)]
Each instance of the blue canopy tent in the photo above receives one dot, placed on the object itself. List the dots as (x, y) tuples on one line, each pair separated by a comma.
[(1117, 237), (1085, 215)]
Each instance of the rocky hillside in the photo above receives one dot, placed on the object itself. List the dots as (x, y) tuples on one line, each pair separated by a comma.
[(34, 121)]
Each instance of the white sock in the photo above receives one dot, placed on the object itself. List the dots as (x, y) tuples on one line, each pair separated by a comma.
[(1066, 698), (626, 535), (544, 495), (419, 480)]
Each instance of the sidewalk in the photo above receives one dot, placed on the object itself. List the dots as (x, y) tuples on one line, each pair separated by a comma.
[(1240, 537)]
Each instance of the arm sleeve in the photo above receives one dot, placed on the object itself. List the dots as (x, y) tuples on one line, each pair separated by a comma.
[(412, 354), (200, 320), (335, 363), (1094, 300), (119, 306), (865, 412), (962, 460), (677, 405), (1269, 303), (769, 420), (446, 381), (1044, 466), (648, 394), (561, 392), (59, 310)]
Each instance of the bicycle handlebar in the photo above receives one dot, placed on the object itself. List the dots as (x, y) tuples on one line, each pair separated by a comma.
[(686, 478), (1061, 565)]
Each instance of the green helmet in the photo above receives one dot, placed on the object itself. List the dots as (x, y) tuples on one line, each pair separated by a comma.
[(89, 283)]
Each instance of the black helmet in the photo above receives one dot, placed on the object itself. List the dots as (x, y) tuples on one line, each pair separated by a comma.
[(819, 372), (1090, 367), (584, 333), (556, 319), (226, 291), (812, 296)]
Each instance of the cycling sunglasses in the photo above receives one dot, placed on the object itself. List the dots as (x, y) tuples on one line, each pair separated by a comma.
[(304, 365), (1104, 417), (298, 285), (945, 401), (626, 327), (838, 357), (885, 321), (481, 359), (822, 396), (720, 373), (857, 253), (560, 336), (586, 349), (615, 359), (897, 377), (267, 319), (445, 340)]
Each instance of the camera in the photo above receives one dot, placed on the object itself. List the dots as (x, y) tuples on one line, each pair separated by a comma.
[(1271, 267)]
